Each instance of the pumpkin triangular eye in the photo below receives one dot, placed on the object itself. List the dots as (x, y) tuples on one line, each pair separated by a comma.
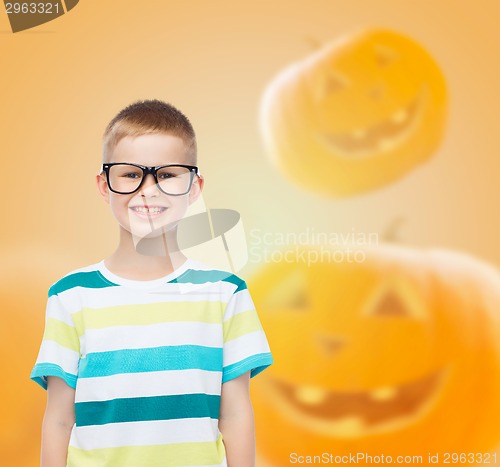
[(391, 304), (335, 82), (396, 298), (384, 55), (330, 83), (290, 292), (299, 299)]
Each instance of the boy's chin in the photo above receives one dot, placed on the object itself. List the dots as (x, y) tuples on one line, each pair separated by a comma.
[(155, 242), (151, 232)]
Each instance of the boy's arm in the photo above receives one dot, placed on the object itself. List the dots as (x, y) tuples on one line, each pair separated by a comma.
[(236, 422), (57, 423)]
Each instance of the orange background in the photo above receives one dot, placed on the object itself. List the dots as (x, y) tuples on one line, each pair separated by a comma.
[(63, 81)]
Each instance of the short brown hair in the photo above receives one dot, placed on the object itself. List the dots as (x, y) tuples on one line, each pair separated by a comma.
[(146, 117)]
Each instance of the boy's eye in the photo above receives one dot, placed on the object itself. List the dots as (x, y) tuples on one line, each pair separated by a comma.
[(170, 172), (131, 175)]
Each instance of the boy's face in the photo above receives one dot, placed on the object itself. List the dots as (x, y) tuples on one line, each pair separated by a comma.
[(149, 212)]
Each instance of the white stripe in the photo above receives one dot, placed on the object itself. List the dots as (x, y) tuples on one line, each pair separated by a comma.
[(152, 335), (155, 383), (212, 290), (245, 346), (116, 296), (57, 309), (240, 302), (52, 352), (145, 433)]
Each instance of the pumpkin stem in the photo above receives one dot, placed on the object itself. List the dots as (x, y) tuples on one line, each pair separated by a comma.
[(313, 42)]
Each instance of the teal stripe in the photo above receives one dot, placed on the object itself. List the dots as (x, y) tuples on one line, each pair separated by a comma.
[(90, 280), (175, 357), (255, 364), (42, 370), (192, 276), (138, 409)]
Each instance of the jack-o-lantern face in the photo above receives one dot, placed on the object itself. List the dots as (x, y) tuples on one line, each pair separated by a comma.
[(378, 355), (347, 411), (356, 115)]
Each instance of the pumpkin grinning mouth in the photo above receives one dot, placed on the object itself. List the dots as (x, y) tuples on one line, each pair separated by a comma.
[(347, 414), (382, 137)]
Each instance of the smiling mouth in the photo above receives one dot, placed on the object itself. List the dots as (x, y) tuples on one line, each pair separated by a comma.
[(382, 137), (351, 414), (148, 211)]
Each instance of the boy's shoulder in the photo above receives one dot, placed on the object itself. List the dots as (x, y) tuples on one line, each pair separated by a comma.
[(200, 272), (95, 276), (82, 276)]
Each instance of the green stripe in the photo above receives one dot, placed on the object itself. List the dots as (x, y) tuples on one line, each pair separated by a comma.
[(137, 409), (62, 333), (90, 280), (192, 276), (241, 324), (166, 455), (151, 313)]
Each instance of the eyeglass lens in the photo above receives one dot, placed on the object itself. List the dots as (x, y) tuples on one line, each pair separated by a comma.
[(173, 180)]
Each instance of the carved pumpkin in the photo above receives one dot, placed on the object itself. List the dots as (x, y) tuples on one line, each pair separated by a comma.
[(356, 115), (398, 354)]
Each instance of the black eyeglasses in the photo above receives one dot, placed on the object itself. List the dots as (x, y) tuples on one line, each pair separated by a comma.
[(173, 179)]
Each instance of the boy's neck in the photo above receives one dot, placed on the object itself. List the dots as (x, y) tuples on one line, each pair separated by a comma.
[(146, 258)]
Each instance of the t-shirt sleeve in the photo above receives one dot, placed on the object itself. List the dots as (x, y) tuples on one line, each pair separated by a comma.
[(245, 344), (59, 352)]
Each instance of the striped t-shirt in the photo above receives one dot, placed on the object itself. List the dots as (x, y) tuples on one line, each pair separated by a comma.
[(148, 360)]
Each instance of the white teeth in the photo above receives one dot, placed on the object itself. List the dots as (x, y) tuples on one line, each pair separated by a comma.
[(359, 133), (400, 116), (383, 394), (152, 210), (350, 426), (310, 395)]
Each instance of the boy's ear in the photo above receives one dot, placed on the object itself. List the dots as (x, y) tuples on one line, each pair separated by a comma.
[(102, 186), (196, 189)]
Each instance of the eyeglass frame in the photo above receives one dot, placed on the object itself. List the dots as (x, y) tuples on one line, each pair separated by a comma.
[(153, 170)]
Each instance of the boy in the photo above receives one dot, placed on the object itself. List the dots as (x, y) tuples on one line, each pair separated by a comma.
[(147, 355)]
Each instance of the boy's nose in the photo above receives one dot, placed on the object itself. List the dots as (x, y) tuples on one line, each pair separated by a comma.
[(149, 186)]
